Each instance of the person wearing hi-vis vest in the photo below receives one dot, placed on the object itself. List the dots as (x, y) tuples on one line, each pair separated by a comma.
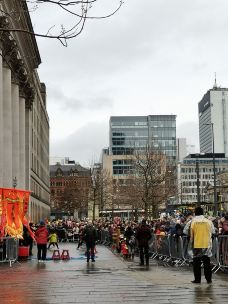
[(201, 230)]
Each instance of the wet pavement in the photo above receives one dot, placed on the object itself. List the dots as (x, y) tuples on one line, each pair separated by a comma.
[(109, 280)]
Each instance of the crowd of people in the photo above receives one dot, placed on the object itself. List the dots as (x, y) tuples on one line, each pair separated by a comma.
[(124, 236), (118, 231)]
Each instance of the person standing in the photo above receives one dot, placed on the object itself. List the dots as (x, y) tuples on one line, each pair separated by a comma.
[(53, 240), (130, 240), (201, 230), (41, 236), (31, 237), (143, 235), (90, 238)]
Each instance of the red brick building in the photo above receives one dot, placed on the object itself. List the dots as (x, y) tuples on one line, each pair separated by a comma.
[(69, 185)]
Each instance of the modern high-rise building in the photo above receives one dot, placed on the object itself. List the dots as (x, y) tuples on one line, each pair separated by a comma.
[(184, 149), (213, 121), (130, 133), (181, 149)]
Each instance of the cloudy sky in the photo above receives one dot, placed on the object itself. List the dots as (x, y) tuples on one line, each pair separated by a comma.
[(152, 57)]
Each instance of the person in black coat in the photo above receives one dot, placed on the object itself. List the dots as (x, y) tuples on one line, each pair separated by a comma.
[(143, 234), (90, 238)]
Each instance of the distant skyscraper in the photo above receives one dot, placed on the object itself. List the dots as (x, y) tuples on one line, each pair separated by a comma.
[(184, 149), (181, 149), (213, 109)]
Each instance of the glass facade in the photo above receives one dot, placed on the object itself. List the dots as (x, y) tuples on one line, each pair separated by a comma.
[(129, 133), (162, 134)]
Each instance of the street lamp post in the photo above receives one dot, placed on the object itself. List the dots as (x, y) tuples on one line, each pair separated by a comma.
[(214, 173), (197, 180), (94, 202), (94, 196)]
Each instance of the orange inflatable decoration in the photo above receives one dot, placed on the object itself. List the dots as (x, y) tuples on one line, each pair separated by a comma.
[(13, 207)]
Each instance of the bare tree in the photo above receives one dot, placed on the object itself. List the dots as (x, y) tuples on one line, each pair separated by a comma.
[(130, 196), (77, 12), (154, 180), (102, 187), (74, 199)]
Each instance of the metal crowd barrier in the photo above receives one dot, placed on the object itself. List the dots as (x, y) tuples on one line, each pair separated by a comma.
[(163, 248), (178, 250), (8, 250), (222, 253), (105, 237)]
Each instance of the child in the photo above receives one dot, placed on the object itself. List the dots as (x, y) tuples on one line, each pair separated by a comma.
[(131, 247), (53, 239), (124, 249)]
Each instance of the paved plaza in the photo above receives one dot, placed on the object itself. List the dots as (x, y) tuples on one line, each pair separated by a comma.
[(109, 280)]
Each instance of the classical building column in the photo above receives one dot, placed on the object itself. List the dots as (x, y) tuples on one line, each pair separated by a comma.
[(15, 134), (1, 120), (7, 129), (22, 141), (28, 144)]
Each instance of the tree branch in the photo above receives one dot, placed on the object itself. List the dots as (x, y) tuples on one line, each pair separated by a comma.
[(67, 6)]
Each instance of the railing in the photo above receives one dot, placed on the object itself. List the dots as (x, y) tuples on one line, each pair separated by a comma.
[(177, 251), (8, 250), (222, 253), (105, 237)]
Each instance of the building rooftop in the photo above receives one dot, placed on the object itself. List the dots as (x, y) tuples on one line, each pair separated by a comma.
[(66, 169)]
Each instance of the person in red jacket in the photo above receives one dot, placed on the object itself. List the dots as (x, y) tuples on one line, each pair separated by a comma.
[(41, 236)]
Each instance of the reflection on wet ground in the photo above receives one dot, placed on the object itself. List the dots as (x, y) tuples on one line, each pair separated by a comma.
[(108, 280)]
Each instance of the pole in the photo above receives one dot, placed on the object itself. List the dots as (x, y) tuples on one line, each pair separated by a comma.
[(214, 173), (94, 200), (197, 180)]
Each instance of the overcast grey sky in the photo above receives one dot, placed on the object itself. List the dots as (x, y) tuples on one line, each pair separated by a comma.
[(152, 57)]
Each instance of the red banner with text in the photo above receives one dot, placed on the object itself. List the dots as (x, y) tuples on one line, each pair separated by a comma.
[(13, 207)]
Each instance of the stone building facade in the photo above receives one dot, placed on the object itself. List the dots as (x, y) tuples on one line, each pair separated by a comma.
[(70, 187), (24, 122)]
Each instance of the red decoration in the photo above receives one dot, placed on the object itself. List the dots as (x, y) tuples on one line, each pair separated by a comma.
[(13, 207)]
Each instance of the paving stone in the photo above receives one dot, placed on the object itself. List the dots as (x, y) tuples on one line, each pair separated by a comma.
[(109, 280)]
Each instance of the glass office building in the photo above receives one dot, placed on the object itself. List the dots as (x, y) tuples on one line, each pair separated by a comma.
[(129, 133)]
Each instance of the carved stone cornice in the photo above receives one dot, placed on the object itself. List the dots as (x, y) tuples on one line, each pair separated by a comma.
[(13, 60)]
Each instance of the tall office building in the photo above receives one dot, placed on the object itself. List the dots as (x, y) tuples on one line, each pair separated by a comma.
[(213, 121), (130, 133), (183, 149)]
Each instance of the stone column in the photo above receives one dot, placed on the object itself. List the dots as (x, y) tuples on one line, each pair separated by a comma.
[(7, 129), (1, 120), (22, 141), (15, 134), (28, 145)]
